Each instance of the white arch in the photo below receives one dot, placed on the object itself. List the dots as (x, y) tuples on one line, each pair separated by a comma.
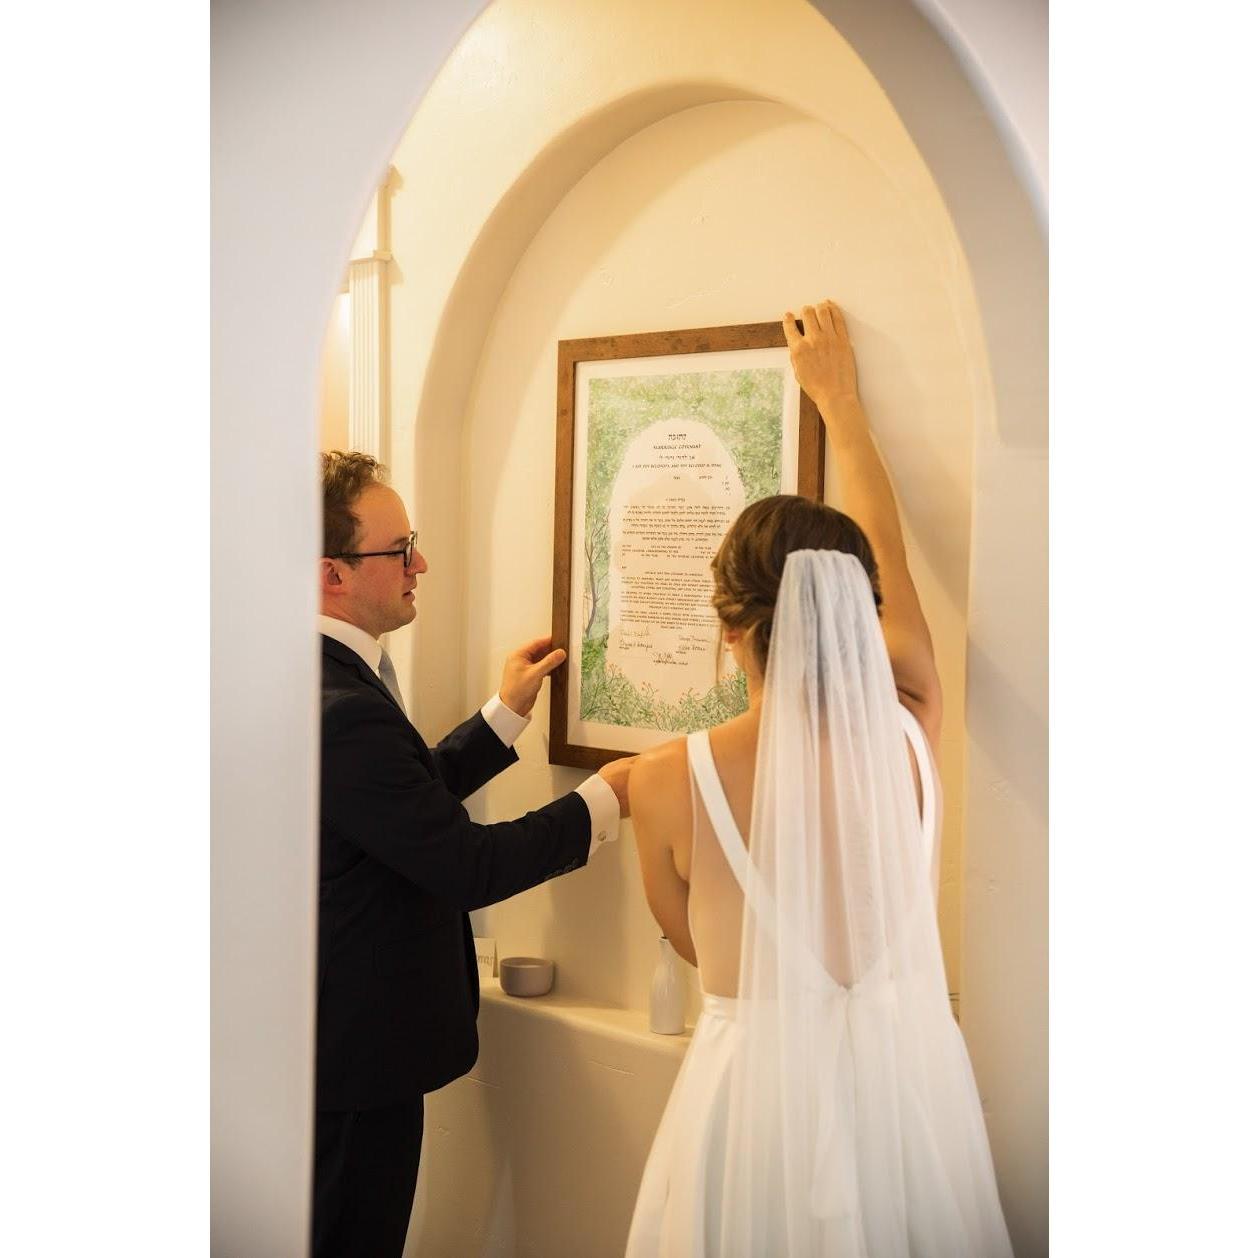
[(298, 143)]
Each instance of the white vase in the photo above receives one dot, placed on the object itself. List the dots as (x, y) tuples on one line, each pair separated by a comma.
[(668, 994)]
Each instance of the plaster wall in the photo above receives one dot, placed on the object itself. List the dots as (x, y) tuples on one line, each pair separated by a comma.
[(540, 93), (849, 210), (722, 213), (976, 106), (334, 380), (655, 156), (309, 101), (540, 1148)]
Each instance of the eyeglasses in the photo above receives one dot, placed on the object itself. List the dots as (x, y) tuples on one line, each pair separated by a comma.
[(407, 552)]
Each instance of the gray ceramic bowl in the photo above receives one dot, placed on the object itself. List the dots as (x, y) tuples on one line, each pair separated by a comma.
[(526, 976)]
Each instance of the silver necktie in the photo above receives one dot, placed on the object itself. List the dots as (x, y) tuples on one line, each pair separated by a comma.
[(389, 677)]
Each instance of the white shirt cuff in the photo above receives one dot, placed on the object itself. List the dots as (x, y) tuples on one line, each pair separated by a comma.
[(506, 724), (604, 808)]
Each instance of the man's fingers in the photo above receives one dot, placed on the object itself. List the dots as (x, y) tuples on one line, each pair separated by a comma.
[(533, 650), (811, 325), (551, 662), (789, 328), (827, 315)]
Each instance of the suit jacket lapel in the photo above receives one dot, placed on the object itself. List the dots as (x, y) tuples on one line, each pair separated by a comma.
[(338, 650), (347, 656)]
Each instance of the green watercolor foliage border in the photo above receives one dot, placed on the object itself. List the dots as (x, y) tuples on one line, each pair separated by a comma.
[(743, 407)]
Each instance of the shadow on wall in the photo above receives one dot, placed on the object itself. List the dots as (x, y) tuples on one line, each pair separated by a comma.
[(540, 1149), (921, 475), (588, 904), (972, 155), (1010, 731)]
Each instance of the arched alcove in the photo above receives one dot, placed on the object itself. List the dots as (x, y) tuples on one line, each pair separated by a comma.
[(299, 144), (740, 190)]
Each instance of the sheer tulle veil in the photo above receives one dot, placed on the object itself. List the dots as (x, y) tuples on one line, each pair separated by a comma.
[(854, 1123)]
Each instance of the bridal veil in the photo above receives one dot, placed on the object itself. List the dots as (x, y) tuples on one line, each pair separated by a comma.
[(855, 1127)]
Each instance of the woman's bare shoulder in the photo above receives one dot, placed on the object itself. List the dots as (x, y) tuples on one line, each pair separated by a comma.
[(659, 794), (736, 735), (661, 766)]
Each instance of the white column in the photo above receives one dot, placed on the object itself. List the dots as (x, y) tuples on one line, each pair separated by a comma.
[(368, 284), (368, 382)]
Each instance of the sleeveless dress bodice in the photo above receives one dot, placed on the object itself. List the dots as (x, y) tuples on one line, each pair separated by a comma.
[(719, 861)]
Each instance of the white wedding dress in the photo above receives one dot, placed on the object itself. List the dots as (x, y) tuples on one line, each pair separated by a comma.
[(826, 1107)]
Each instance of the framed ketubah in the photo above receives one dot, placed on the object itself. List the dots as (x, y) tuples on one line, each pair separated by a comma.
[(662, 439)]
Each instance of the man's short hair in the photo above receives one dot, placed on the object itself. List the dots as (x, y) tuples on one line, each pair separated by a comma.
[(346, 476)]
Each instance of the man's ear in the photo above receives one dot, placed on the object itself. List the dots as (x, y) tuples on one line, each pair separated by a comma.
[(329, 577)]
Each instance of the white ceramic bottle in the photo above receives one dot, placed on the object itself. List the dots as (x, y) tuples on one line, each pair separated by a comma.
[(668, 994)]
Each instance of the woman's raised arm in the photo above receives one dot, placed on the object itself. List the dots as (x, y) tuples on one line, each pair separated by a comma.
[(826, 370)]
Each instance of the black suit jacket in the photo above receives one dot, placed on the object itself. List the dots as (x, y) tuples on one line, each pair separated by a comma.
[(401, 863)]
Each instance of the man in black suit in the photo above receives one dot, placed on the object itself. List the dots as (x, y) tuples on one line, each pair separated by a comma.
[(401, 864)]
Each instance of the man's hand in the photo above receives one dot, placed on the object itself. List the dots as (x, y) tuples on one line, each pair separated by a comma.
[(523, 672), (822, 354), (616, 775)]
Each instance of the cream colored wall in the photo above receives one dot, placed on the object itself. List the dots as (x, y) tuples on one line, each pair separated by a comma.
[(298, 144), (540, 1147), (543, 92), (540, 92), (724, 213), (974, 154), (625, 182), (334, 379)]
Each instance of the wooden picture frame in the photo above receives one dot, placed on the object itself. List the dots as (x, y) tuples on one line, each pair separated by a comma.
[(722, 401)]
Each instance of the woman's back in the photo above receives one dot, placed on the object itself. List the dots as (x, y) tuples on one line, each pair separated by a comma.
[(715, 901)]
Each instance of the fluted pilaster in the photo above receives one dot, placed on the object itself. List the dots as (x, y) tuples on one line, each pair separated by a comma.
[(368, 339)]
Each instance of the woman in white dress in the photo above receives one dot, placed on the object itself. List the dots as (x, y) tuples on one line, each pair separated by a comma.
[(826, 1107)]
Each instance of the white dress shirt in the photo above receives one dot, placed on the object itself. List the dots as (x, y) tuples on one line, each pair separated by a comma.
[(599, 798)]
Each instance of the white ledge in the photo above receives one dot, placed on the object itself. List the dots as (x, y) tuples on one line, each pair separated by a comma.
[(629, 1026)]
